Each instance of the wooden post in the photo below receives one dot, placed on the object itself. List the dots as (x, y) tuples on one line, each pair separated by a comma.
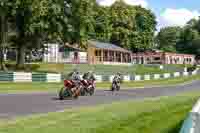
[(114, 57), (109, 59), (121, 57), (102, 55)]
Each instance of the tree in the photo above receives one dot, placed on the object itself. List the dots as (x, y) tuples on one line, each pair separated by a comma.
[(131, 27), (5, 16), (145, 28), (38, 21), (81, 20), (122, 23), (167, 38), (189, 38), (103, 27)]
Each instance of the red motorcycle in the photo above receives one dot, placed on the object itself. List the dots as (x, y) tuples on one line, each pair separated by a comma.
[(70, 89), (88, 87)]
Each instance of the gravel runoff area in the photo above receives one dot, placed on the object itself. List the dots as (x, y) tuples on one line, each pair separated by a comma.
[(15, 105)]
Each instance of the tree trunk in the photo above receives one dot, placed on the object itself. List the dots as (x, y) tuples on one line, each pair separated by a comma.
[(3, 39), (2, 63), (21, 56)]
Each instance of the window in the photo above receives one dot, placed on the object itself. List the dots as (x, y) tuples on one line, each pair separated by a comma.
[(118, 56), (105, 55), (98, 55), (157, 58), (111, 56)]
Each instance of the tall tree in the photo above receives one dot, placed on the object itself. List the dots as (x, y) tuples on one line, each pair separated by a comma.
[(6, 11), (37, 21), (81, 20), (122, 21), (103, 27), (145, 28), (189, 39), (128, 26), (167, 38)]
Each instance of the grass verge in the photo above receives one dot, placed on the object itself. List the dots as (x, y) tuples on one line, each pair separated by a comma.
[(99, 69), (7, 87), (153, 83), (163, 115)]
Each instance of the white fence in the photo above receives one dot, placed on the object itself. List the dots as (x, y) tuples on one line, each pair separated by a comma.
[(49, 77)]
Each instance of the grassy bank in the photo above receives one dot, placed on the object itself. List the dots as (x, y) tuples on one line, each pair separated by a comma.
[(164, 115), (99, 69), (8, 87), (37, 67), (154, 83), (110, 69)]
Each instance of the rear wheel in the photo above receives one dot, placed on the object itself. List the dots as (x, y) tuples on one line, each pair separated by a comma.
[(83, 91), (91, 91)]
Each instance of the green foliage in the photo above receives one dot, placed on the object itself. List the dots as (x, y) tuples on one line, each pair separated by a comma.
[(182, 40), (190, 38), (6, 13), (128, 26), (167, 38), (81, 21)]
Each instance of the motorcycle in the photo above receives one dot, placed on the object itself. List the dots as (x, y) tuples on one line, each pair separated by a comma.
[(70, 90), (88, 87), (115, 86)]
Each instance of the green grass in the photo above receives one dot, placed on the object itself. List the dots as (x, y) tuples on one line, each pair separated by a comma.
[(7, 87), (179, 65), (163, 115), (99, 69), (29, 87), (154, 83), (58, 68), (38, 67), (109, 69)]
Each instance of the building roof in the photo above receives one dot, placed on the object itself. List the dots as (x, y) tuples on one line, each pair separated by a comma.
[(109, 46), (71, 47)]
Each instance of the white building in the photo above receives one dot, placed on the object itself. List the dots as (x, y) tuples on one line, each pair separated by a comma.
[(64, 54)]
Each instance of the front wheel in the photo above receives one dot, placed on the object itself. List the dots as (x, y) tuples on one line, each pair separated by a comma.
[(61, 93), (65, 92), (118, 87), (113, 87), (77, 93)]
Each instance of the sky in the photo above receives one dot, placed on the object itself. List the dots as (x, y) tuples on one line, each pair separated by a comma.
[(168, 12)]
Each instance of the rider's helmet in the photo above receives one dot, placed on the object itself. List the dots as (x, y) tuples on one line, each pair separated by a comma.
[(91, 72), (119, 74), (76, 71)]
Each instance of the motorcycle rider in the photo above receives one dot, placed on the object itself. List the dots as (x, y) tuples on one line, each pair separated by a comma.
[(89, 76), (88, 79), (75, 77), (117, 79)]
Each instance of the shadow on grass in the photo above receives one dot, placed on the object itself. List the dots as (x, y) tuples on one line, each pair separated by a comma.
[(176, 128)]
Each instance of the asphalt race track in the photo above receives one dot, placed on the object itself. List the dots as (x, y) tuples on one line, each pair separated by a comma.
[(12, 105)]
